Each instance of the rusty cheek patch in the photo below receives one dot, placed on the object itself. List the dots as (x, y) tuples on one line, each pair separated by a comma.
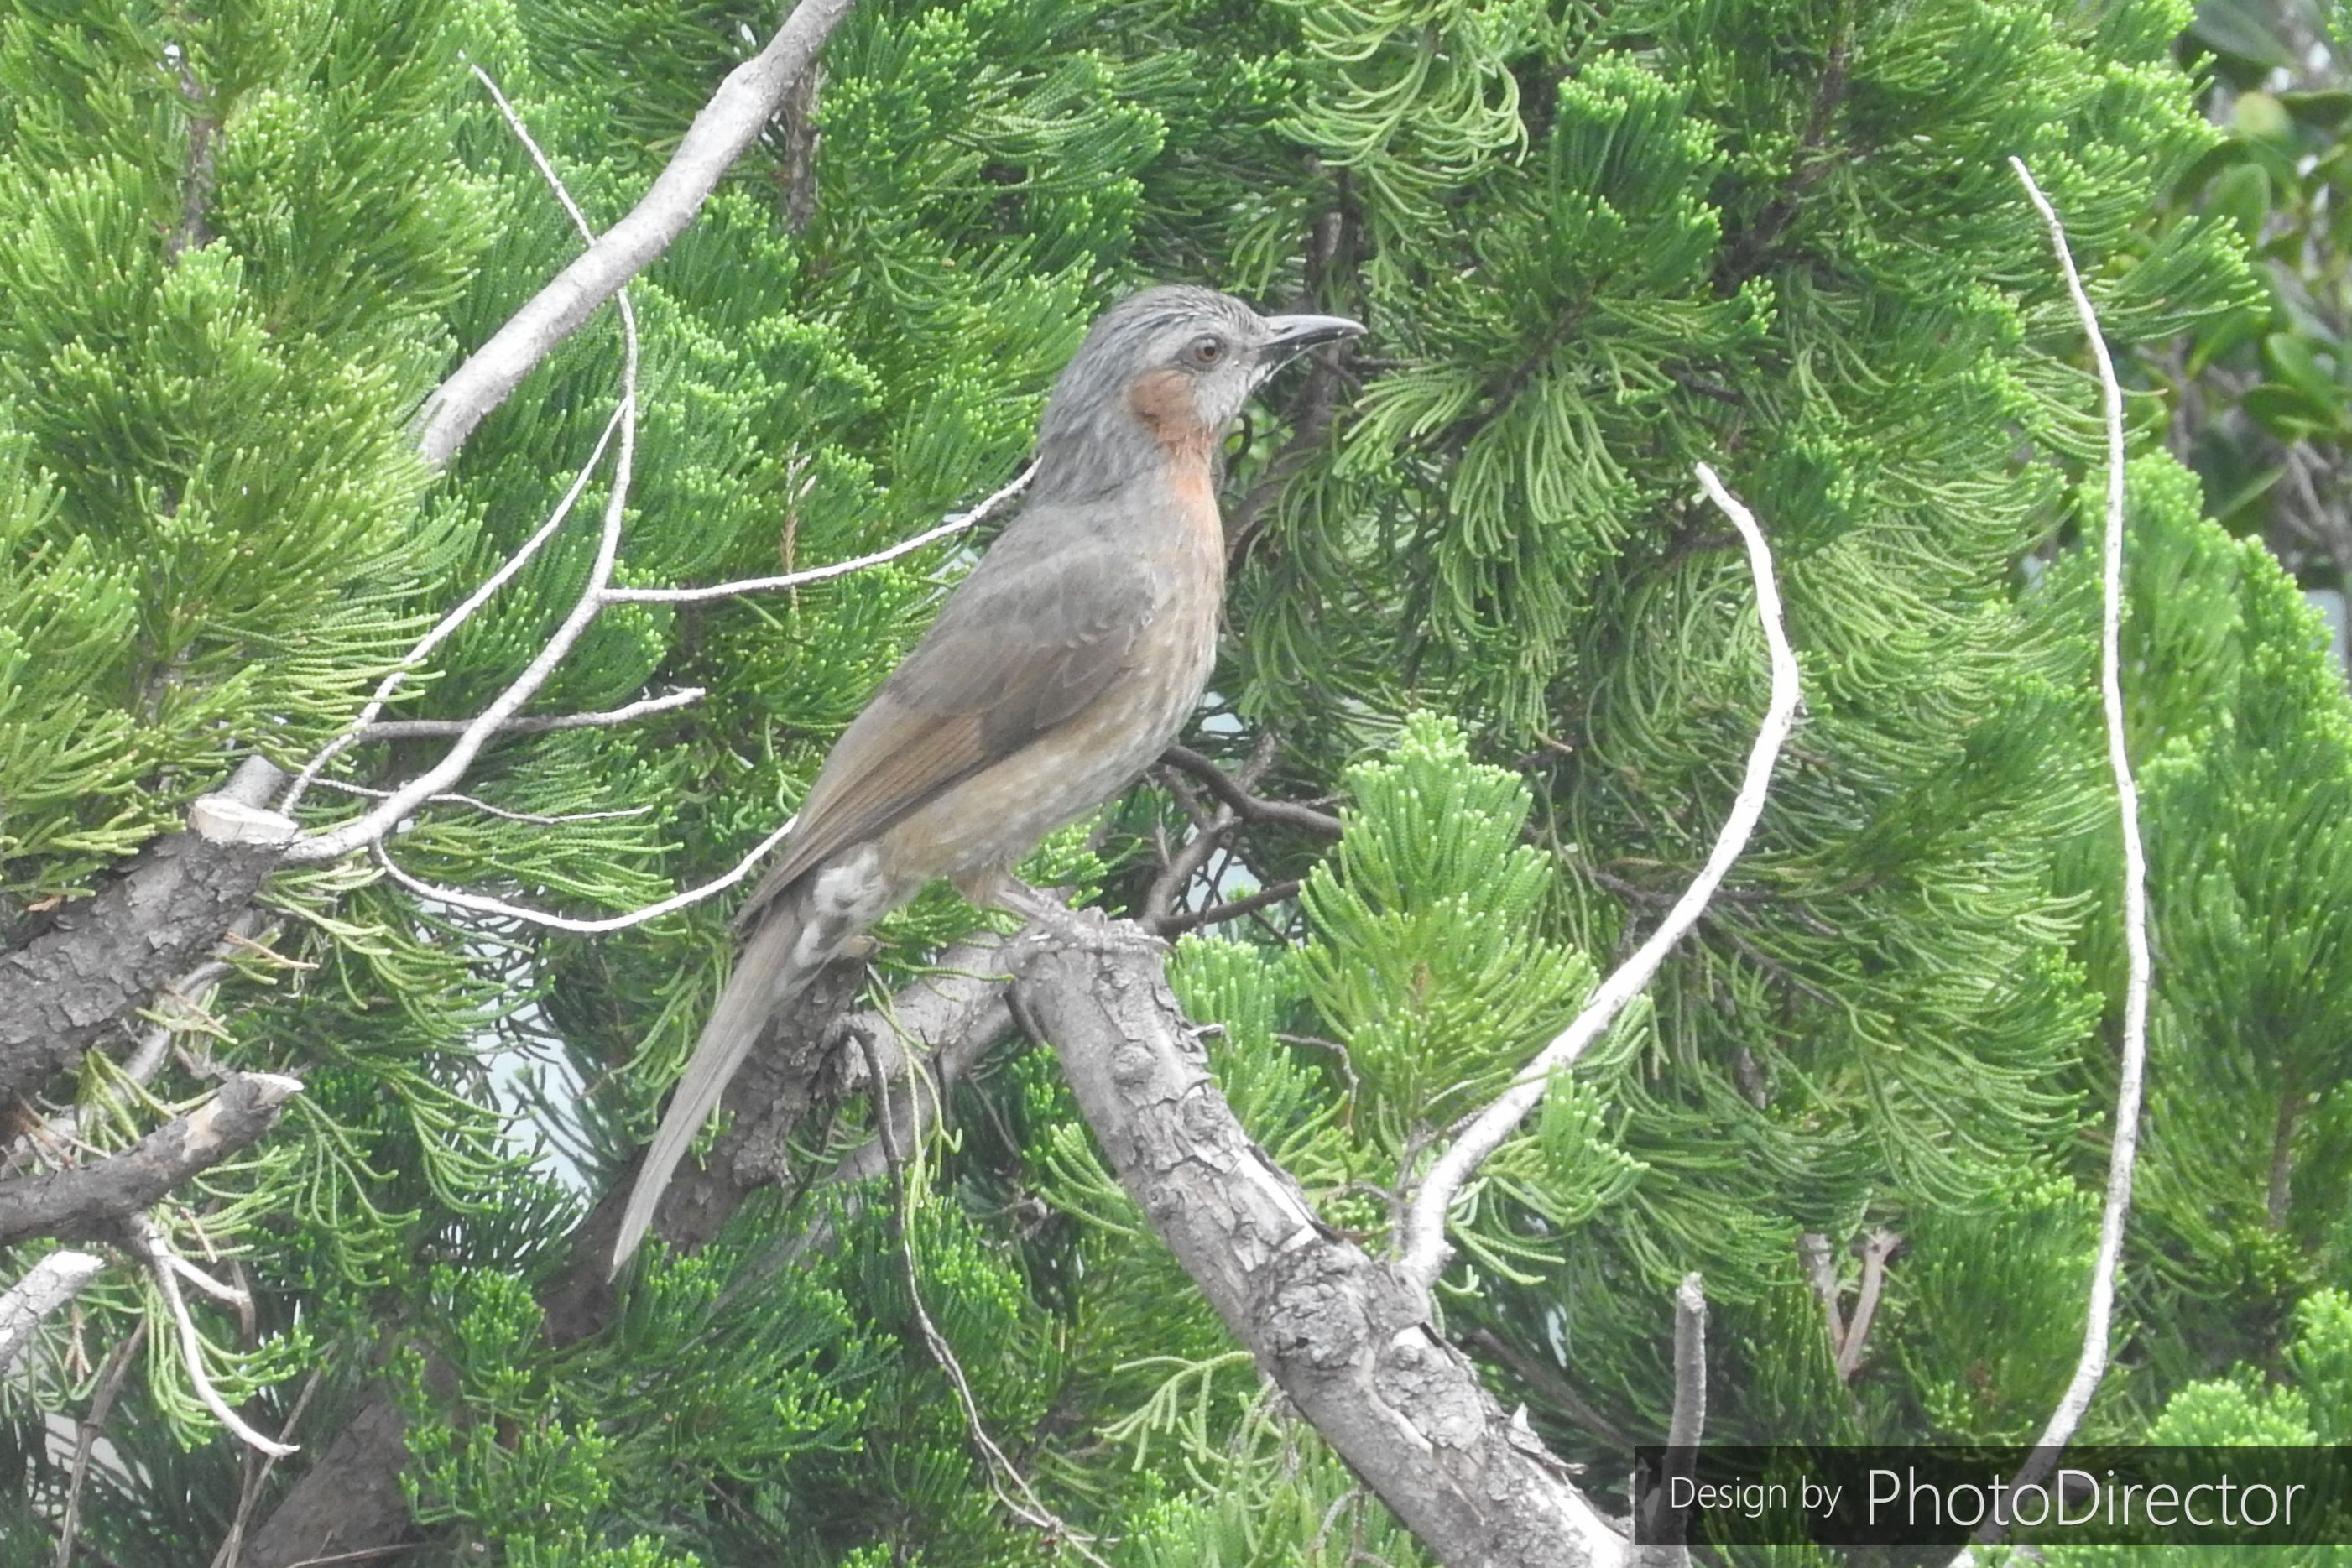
[(1163, 402)]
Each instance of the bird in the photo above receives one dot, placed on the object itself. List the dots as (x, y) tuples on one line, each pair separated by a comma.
[(1057, 670)]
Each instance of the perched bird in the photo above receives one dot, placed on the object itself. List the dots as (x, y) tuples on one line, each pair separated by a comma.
[(1057, 672)]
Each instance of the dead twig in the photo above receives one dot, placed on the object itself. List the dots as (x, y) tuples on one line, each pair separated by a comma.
[(1423, 1248)]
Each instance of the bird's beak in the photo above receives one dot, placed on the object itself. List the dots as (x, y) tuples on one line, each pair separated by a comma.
[(1288, 335)]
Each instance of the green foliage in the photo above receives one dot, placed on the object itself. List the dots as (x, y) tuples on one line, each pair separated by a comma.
[(1426, 960), (2244, 1411), (1484, 610)]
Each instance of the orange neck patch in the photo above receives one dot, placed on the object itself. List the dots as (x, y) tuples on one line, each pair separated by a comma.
[(1162, 401)]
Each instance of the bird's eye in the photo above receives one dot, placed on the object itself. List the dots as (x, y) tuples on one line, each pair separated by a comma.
[(1206, 350)]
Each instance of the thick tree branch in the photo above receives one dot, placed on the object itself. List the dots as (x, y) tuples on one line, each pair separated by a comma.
[(100, 958), (736, 114), (1346, 1337), (90, 1200), (1423, 1246)]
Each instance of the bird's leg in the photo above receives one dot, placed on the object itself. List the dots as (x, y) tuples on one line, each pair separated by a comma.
[(997, 888)]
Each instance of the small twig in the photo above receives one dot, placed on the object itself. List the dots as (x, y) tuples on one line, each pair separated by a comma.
[(1877, 1245), (589, 927), (1218, 913), (1211, 831), (1821, 1274), (1688, 1422), (1028, 1509), (424, 728), (101, 1405), (47, 1286), (1552, 1385), (955, 522), (1250, 808), (146, 1240), (1685, 1426), (257, 1476), (2098, 1317), (1424, 1248), (446, 627), (451, 798)]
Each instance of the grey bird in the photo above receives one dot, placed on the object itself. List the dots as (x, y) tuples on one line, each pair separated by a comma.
[(1057, 670)]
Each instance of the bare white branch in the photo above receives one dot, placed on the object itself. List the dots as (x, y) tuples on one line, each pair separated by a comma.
[(1423, 1248), (370, 826), (482, 906), (452, 798), (446, 627), (538, 723), (2098, 1320), (165, 1266), (47, 1286), (727, 124), (1688, 1422), (955, 522)]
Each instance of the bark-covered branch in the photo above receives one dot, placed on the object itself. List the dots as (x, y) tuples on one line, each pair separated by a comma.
[(101, 958), (1346, 1337), (89, 1200), (736, 114)]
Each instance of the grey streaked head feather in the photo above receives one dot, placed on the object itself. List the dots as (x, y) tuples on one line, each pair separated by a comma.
[(1089, 440)]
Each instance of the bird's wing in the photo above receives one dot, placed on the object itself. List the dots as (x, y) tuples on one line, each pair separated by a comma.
[(1023, 644)]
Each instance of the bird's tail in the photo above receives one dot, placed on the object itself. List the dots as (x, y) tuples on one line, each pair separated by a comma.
[(767, 976)]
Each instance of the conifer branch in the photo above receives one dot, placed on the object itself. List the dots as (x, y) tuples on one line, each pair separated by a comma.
[(736, 114), (1423, 1249), (1026, 1507), (474, 804), (2099, 1308), (84, 1200), (47, 1286)]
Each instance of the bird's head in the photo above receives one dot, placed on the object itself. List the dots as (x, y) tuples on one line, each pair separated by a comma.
[(1161, 377)]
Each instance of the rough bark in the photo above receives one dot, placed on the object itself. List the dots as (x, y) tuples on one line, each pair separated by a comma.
[(1345, 1335), (99, 960), (86, 1200)]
